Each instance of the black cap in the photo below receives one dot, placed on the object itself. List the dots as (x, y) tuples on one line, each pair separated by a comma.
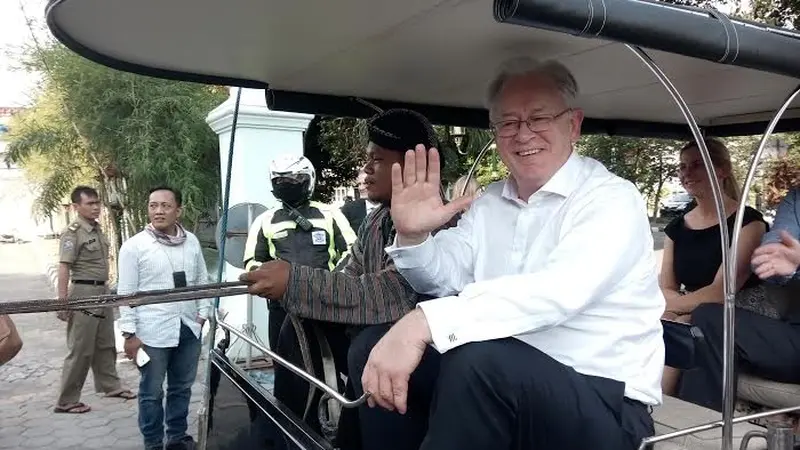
[(401, 130)]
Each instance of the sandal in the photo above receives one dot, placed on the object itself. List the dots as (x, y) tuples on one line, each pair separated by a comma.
[(77, 408), (122, 393)]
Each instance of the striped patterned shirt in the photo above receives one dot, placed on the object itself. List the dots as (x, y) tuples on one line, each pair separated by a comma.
[(365, 289)]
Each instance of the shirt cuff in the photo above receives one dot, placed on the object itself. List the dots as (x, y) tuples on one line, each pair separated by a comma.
[(412, 256), (445, 317), (126, 327), (204, 312)]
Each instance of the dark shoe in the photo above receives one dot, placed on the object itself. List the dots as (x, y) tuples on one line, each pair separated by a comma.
[(186, 443)]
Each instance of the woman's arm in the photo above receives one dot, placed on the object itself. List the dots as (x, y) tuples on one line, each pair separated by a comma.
[(714, 293), (667, 281)]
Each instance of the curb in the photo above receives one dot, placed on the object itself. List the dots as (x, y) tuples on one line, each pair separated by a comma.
[(51, 270)]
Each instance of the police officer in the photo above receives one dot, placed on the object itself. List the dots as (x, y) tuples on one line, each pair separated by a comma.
[(83, 259), (300, 230)]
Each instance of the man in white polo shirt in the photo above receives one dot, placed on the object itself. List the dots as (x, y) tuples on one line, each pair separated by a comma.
[(164, 256), (548, 309)]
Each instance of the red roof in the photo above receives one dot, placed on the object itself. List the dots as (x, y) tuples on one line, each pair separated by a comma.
[(9, 110)]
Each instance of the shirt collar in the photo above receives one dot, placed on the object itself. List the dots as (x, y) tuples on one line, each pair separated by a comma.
[(562, 183), (88, 226)]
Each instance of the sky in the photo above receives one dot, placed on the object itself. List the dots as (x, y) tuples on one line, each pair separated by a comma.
[(15, 85)]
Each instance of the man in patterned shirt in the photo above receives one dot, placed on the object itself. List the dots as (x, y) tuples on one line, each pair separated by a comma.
[(367, 294)]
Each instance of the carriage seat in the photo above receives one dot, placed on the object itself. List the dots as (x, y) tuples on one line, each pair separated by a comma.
[(757, 394), (768, 393)]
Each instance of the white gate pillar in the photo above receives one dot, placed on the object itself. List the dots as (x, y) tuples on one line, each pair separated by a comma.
[(261, 135)]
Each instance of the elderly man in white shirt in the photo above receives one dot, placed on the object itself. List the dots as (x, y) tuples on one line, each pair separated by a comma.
[(164, 256), (548, 307)]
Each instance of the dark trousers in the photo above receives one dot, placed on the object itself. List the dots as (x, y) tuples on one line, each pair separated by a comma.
[(388, 430), (764, 347), (505, 394), (292, 391), (274, 322), (179, 366)]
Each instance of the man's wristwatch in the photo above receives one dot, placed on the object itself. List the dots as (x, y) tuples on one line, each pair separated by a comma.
[(128, 335)]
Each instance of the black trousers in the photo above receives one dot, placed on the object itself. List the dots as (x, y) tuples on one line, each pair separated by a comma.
[(764, 347), (502, 394), (292, 391), (387, 430), (505, 394), (274, 322)]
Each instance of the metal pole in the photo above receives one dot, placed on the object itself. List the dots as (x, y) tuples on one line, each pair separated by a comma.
[(475, 165), (711, 425), (728, 286), (249, 322), (134, 300), (728, 378), (212, 320)]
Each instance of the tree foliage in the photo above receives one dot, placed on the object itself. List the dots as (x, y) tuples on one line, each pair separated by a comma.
[(126, 132), (781, 13), (782, 173), (43, 141), (647, 163), (336, 146)]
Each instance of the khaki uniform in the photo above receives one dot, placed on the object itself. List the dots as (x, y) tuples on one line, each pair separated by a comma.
[(90, 338)]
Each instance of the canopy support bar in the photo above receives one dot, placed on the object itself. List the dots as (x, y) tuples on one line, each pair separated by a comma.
[(728, 281), (737, 229), (332, 393), (715, 424), (475, 166)]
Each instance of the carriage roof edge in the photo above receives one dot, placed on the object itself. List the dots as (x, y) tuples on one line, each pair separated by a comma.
[(710, 46)]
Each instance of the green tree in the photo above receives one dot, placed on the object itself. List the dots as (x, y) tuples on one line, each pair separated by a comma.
[(647, 163), (782, 13), (50, 151), (131, 132), (460, 156), (335, 145)]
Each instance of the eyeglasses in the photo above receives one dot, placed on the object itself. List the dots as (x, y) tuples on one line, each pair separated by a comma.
[(537, 124)]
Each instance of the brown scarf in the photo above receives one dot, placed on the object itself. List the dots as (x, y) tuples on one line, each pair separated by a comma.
[(166, 239)]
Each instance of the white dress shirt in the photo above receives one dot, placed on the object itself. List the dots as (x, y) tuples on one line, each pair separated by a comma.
[(571, 272), (370, 206), (146, 265)]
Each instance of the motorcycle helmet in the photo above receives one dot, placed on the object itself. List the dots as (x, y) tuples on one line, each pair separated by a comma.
[(293, 178)]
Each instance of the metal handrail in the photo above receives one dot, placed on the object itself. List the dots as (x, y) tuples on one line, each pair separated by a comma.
[(728, 284), (140, 298), (711, 425), (298, 371)]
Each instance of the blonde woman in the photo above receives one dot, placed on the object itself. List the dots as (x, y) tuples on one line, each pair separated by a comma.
[(691, 272)]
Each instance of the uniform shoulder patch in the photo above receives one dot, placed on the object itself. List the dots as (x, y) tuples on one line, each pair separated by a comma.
[(74, 226)]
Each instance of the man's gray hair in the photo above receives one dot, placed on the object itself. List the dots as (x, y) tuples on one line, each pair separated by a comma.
[(559, 74)]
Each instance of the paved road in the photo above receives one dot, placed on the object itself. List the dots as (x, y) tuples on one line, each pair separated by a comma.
[(29, 383)]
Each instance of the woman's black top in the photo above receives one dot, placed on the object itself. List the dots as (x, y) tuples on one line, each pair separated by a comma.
[(697, 254)]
